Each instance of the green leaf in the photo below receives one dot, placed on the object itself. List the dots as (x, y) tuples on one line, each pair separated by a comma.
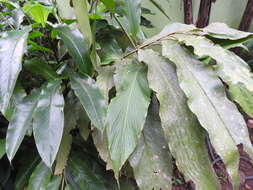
[(38, 12), (18, 94), (183, 133), (110, 5), (20, 123), (82, 14), (12, 47), (151, 161), (127, 113), (170, 29), (230, 68), (48, 122), (39, 178), (40, 67), (244, 98), (81, 177), (77, 47), (70, 117), (207, 99), (25, 171), (131, 9), (64, 9), (2, 148), (222, 31), (55, 183), (91, 98)]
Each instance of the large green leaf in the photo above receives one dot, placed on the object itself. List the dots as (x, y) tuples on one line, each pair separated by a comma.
[(39, 178), (127, 113), (91, 98), (77, 47), (48, 122), (207, 99), (41, 67), (230, 68), (12, 47), (37, 11), (131, 9), (70, 122), (81, 177), (151, 161), (182, 129), (2, 148), (20, 123), (82, 14)]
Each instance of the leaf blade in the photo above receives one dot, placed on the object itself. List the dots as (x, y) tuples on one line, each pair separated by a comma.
[(133, 93), (183, 133), (48, 122), (91, 99), (221, 113), (12, 46)]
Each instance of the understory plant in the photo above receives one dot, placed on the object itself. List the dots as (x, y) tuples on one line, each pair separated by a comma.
[(89, 103)]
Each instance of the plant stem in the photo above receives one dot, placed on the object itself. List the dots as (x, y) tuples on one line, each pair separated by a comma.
[(204, 13), (121, 26), (247, 17), (188, 15)]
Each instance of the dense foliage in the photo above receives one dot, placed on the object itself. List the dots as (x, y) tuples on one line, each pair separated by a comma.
[(90, 103)]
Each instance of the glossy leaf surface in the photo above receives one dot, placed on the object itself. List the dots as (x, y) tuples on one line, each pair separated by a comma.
[(91, 98), (12, 48), (48, 122)]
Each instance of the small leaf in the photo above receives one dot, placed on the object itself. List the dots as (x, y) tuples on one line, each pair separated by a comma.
[(38, 12), (91, 98), (2, 148), (20, 123), (182, 130), (12, 47), (207, 99), (48, 122), (82, 14), (77, 47), (127, 113), (40, 178), (40, 67), (110, 5), (151, 161)]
